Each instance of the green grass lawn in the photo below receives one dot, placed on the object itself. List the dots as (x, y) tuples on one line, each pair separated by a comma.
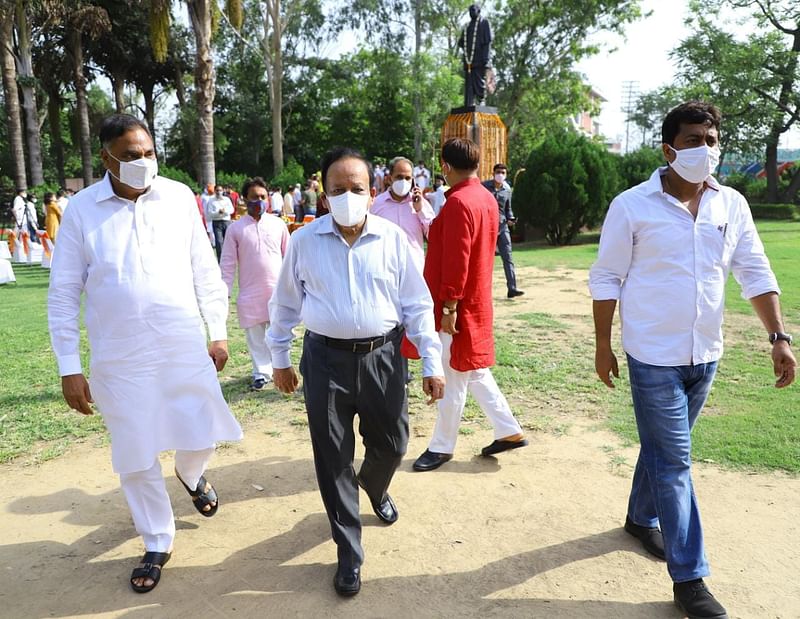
[(549, 380)]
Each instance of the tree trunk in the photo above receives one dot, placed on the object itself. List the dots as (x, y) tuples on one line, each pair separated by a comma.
[(276, 86), (118, 84), (54, 120), (11, 98), (200, 17), (790, 194), (82, 106), (149, 108), (417, 81), (29, 108)]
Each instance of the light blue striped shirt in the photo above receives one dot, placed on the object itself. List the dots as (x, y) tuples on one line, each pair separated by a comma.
[(354, 292)]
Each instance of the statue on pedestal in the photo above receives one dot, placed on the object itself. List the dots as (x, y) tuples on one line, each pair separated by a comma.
[(476, 41)]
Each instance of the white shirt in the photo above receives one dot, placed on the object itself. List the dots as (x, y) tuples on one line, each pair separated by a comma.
[(437, 199), (354, 292), (18, 208), (63, 201), (219, 209), (669, 270), (149, 278), (422, 176), (276, 202)]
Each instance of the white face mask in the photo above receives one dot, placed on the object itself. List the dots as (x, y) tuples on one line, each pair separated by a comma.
[(348, 209), (138, 174), (401, 187), (695, 165), (500, 178)]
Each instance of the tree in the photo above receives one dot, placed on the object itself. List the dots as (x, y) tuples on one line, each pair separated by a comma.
[(201, 17), (568, 183), (11, 93), (537, 45), (636, 166), (27, 86), (754, 81)]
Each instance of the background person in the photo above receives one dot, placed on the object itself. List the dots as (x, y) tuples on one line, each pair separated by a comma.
[(501, 191)]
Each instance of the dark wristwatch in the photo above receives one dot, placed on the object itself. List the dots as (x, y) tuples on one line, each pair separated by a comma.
[(774, 337)]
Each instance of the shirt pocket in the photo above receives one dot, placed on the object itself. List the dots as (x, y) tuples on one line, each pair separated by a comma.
[(718, 243), (382, 288)]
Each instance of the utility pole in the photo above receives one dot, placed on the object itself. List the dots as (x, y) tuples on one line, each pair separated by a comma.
[(630, 95)]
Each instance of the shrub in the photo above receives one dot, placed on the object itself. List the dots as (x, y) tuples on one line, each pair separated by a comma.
[(568, 184), (775, 211), (176, 174), (637, 166), (292, 174), (233, 179)]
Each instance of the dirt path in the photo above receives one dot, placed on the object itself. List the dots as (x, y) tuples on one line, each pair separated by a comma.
[(534, 533)]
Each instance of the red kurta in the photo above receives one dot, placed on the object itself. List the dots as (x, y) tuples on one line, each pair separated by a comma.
[(459, 265)]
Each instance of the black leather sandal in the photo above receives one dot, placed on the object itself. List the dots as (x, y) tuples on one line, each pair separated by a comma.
[(151, 568), (201, 498)]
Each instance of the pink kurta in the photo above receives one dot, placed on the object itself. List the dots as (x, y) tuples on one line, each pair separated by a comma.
[(414, 224), (258, 248)]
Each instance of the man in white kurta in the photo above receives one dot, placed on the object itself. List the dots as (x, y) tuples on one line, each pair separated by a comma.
[(135, 246)]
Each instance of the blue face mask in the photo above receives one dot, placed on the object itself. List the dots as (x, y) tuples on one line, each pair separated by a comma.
[(262, 206)]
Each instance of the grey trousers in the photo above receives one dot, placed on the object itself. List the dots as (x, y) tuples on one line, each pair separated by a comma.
[(504, 249), (337, 385)]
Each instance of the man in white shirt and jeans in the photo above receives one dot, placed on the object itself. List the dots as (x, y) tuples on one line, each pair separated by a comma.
[(219, 209), (665, 252)]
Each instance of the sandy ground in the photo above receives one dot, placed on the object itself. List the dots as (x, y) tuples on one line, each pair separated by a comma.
[(533, 533)]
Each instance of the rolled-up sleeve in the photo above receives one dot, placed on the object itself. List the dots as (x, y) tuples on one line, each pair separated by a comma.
[(285, 308), (613, 256), (210, 290), (67, 279), (749, 262), (417, 307)]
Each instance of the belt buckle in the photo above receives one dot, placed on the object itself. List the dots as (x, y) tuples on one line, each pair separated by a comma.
[(355, 347), (371, 345)]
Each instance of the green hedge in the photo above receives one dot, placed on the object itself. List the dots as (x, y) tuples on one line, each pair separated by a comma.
[(775, 211)]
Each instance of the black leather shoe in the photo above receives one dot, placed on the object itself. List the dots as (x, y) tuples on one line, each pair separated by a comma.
[(386, 510), (651, 539), (696, 601), (515, 293), (431, 460), (500, 446), (347, 581)]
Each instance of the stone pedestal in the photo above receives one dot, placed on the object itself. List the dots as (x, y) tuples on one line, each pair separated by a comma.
[(482, 125)]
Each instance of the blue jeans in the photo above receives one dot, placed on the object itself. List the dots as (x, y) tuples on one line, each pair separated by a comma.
[(667, 401)]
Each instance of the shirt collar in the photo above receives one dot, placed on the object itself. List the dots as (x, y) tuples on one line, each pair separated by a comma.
[(472, 180), (654, 185), (325, 225), (105, 190)]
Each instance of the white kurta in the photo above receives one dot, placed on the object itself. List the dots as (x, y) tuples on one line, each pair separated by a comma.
[(150, 279)]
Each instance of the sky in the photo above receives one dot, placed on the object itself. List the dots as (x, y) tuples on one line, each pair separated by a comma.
[(642, 56)]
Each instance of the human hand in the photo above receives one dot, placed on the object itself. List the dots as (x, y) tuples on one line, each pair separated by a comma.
[(449, 322), (285, 379), (433, 386), (76, 392), (605, 364), (218, 351), (784, 364), (416, 199)]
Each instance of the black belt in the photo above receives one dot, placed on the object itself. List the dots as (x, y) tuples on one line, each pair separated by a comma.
[(358, 346)]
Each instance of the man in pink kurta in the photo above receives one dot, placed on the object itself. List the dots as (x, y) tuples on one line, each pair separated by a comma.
[(256, 243)]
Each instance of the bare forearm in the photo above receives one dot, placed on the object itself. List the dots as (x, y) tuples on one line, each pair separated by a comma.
[(768, 308), (603, 312)]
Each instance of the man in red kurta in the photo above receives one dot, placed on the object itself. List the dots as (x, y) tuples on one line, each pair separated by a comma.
[(458, 269)]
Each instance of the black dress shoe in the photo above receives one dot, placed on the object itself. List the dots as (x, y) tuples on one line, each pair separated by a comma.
[(696, 601), (431, 460), (347, 581), (651, 539), (500, 446), (386, 510), (515, 293)]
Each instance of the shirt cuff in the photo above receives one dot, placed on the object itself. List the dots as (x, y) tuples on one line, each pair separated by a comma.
[(759, 288), (69, 364), (281, 359), (605, 292), (432, 366), (217, 331)]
